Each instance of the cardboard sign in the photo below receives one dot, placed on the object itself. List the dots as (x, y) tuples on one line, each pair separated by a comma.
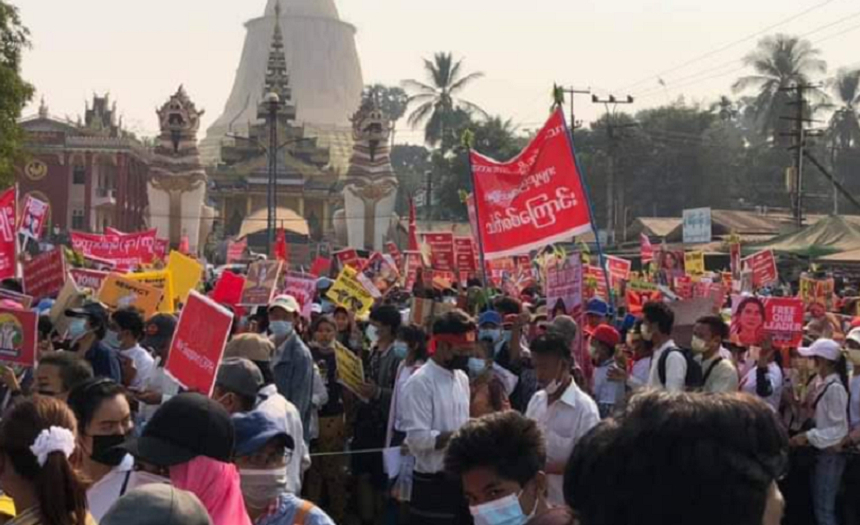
[(382, 271), (33, 218), (18, 336), (694, 263), (8, 239), (70, 297), (91, 279), (350, 369), (441, 250), (348, 292), (261, 283), (228, 289), (303, 287), (120, 292), (186, 274), (196, 353), (564, 283), (163, 280), (763, 267), (45, 274), (348, 258)]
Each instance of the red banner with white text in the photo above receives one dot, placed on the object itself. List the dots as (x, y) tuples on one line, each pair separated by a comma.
[(8, 241), (127, 251)]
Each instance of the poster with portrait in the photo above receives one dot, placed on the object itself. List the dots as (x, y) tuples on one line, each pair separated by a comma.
[(261, 283), (670, 266), (748, 319), (754, 318)]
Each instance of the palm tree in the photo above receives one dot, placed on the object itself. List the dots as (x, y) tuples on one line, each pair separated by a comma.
[(844, 129), (439, 99), (780, 62)]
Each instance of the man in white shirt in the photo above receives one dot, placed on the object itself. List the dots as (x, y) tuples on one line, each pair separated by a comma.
[(435, 405), (657, 326), (126, 329), (719, 374), (563, 412)]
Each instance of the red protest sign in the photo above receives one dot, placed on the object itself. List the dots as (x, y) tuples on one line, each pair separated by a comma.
[(229, 289), (464, 254), (564, 284), (91, 279), (8, 240), (194, 353), (33, 218), (127, 251), (18, 336), (45, 274), (533, 200), (784, 320), (236, 250), (321, 267), (595, 282), (348, 258), (619, 268), (763, 267), (638, 294), (303, 287), (442, 250), (412, 262), (394, 252)]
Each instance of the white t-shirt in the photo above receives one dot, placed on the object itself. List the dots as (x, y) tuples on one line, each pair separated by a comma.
[(774, 375), (144, 363), (854, 402), (104, 493)]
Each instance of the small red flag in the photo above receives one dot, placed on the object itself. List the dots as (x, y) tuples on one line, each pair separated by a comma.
[(281, 249), (413, 227), (647, 249), (184, 245)]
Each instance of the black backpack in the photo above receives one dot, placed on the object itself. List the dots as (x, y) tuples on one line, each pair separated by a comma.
[(694, 379)]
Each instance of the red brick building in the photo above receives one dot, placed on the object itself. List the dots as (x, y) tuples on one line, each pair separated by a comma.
[(92, 174)]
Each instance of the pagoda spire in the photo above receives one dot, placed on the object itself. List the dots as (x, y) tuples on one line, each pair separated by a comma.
[(277, 78)]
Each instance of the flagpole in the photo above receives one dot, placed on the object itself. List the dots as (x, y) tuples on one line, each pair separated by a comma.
[(468, 138), (600, 255)]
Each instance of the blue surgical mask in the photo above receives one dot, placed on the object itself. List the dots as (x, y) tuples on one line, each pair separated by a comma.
[(372, 333), (489, 334), (111, 340), (327, 306), (476, 366), (281, 328), (400, 349), (506, 336), (77, 328), (505, 511)]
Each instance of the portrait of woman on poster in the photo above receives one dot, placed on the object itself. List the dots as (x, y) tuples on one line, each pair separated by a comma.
[(748, 322)]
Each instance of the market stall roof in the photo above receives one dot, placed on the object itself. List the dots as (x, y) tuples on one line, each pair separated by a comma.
[(830, 235), (286, 219), (654, 226)]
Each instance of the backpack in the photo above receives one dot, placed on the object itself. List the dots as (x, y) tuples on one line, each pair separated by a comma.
[(694, 378)]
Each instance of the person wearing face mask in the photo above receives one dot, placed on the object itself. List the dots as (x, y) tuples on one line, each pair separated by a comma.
[(500, 460), (435, 405), (262, 447), (325, 482), (292, 362), (104, 422), (87, 328), (562, 411), (491, 385), (719, 374), (125, 330), (608, 394), (657, 325)]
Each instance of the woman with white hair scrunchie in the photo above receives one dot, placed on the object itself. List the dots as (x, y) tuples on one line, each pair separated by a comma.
[(37, 438)]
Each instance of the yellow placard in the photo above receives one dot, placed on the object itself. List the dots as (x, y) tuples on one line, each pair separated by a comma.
[(348, 292), (694, 263), (187, 274), (120, 292), (162, 280), (350, 369)]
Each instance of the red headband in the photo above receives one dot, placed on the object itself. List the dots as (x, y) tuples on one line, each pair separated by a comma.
[(451, 339)]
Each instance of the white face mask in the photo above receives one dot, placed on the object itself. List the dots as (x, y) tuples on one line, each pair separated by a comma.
[(699, 345), (505, 511), (261, 486), (647, 335)]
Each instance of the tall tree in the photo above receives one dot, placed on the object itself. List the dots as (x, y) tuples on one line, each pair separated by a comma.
[(779, 62), (844, 128), (393, 101), (437, 101), (14, 91)]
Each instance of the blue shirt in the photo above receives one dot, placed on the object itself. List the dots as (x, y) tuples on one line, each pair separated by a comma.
[(104, 361), (285, 514)]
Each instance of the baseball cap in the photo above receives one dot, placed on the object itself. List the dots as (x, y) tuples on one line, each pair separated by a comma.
[(563, 326), (159, 331), (597, 307), (824, 348), (324, 283), (255, 347), (606, 335), (92, 311), (490, 317), (239, 375), (854, 335), (287, 303), (185, 427), (256, 428), (157, 504)]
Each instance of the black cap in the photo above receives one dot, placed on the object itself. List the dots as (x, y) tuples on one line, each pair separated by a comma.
[(185, 427), (93, 311)]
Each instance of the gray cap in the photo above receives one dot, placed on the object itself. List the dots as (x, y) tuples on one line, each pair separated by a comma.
[(157, 504), (564, 326), (239, 375)]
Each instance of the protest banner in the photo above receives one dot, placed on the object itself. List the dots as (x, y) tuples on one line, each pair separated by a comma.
[(412, 262), (619, 269), (381, 270), (395, 253), (763, 268), (91, 279), (195, 354), (120, 292), (683, 286), (261, 283), (715, 291), (45, 274), (71, 296), (464, 254), (441, 250), (817, 290), (303, 287), (350, 293), (186, 274), (694, 263), (350, 370), (18, 336), (563, 285), (535, 199), (25, 301), (595, 283), (33, 217), (748, 320), (348, 258), (163, 280), (638, 293), (228, 289), (8, 239), (236, 250), (784, 320), (126, 251)]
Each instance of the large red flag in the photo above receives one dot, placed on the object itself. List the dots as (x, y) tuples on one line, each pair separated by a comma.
[(533, 200), (647, 249), (8, 242), (413, 227)]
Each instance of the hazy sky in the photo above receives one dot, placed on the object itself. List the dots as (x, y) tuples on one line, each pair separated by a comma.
[(141, 51)]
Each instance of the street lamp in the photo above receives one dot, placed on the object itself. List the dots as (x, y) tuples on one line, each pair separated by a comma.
[(273, 103)]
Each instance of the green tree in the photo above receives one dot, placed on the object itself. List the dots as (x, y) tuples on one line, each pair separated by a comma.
[(393, 101), (436, 102), (411, 164), (779, 62), (844, 128), (14, 91)]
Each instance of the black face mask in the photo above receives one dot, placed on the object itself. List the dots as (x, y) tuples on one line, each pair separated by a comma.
[(106, 449), (458, 362)]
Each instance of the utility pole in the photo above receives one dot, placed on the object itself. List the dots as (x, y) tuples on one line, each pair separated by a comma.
[(572, 92), (611, 211), (798, 135)]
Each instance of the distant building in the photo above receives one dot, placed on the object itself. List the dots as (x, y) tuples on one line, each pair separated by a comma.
[(92, 174)]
